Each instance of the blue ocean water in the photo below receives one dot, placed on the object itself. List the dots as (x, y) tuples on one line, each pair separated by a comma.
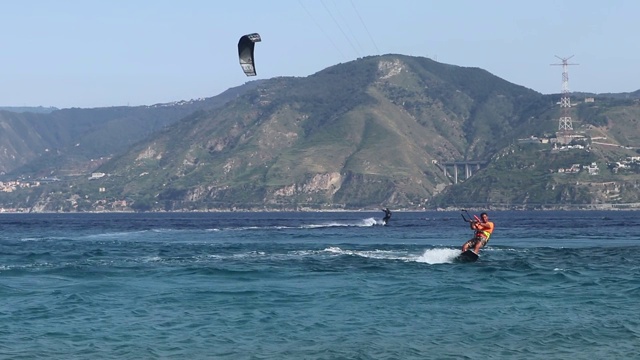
[(329, 285)]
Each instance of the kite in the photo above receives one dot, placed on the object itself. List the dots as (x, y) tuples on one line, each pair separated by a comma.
[(245, 52)]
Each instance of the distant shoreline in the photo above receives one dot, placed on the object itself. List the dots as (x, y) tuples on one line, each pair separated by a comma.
[(617, 207)]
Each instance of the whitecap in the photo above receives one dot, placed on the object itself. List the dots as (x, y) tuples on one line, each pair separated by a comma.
[(438, 256), (356, 223), (371, 254)]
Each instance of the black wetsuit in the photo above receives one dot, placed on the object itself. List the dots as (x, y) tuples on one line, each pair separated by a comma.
[(387, 216)]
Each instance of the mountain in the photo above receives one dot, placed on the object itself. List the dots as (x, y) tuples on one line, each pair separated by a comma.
[(32, 109), (634, 95), (392, 130), (598, 169), (355, 135), (72, 141)]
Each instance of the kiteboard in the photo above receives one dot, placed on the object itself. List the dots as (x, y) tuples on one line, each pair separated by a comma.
[(468, 256)]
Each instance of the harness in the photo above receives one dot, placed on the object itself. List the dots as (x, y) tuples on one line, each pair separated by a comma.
[(481, 236), (483, 233)]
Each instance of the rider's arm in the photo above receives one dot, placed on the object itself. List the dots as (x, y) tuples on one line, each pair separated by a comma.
[(484, 226)]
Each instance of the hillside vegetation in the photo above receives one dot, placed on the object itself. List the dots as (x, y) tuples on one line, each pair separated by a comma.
[(376, 131)]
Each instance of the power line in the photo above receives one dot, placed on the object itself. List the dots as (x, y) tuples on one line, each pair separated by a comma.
[(322, 30), (343, 26), (346, 22), (365, 27), (565, 125), (340, 27)]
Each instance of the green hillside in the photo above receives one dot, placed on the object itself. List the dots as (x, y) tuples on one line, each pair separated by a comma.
[(376, 131)]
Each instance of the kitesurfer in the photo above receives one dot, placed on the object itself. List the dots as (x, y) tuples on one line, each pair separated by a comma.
[(483, 230), (387, 216)]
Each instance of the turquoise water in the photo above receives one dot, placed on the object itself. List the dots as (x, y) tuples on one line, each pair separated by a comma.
[(550, 285)]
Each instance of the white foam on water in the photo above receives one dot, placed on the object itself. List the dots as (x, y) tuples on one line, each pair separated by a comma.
[(151, 259), (356, 223), (438, 256), (372, 254), (368, 222), (30, 239)]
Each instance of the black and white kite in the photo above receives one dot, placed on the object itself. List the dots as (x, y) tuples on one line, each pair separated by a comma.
[(245, 52)]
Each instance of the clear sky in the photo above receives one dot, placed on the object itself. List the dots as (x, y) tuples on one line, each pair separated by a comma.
[(95, 53)]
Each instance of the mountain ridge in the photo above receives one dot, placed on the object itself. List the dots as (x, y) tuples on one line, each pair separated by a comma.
[(361, 134), (65, 140)]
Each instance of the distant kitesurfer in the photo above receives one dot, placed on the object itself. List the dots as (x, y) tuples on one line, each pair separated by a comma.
[(483, 230), (387, 216)]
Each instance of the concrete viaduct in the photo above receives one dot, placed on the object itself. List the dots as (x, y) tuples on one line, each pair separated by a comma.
[(469, 167)]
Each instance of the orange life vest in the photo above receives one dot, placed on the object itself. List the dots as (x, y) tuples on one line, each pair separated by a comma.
[(484, 229)]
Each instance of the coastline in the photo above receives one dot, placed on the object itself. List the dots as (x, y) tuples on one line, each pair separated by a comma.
[(490, 207)]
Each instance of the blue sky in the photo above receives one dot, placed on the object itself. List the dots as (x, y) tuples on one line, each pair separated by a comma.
[(94, 53)]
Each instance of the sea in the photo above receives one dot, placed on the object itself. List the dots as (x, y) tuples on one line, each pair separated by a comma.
[(319, 285)]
